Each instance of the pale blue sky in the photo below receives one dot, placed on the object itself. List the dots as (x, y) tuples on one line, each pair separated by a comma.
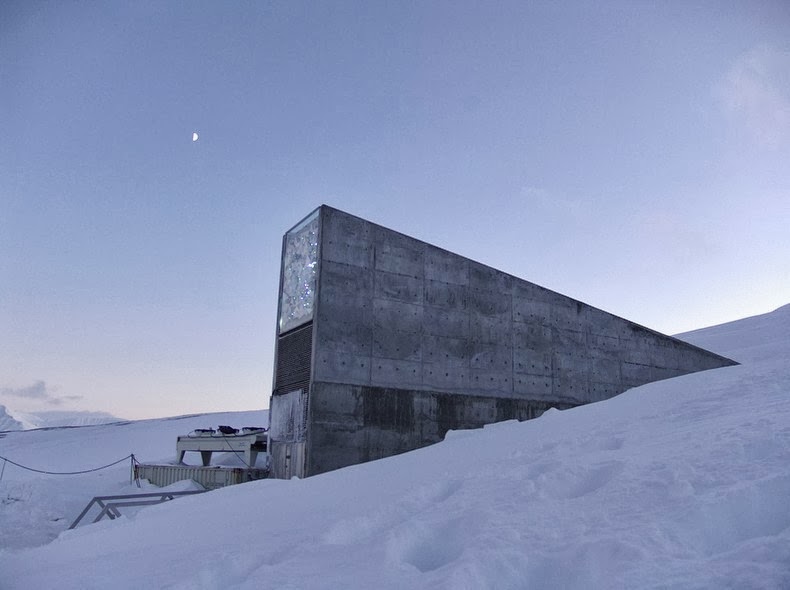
[(632, 155)]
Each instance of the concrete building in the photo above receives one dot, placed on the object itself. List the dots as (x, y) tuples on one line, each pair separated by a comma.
[(385, 342)]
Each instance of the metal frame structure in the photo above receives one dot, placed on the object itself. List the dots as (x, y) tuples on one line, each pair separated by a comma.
[(110, 504)]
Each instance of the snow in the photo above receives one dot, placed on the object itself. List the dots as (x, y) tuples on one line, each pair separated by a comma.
[(682, 483), (8, 422), (35, 508)]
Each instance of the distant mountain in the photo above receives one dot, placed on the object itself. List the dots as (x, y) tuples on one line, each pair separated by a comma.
[(52, 419), (7, 422)]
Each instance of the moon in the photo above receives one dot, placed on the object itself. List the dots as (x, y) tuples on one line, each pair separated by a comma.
[(195, 136)]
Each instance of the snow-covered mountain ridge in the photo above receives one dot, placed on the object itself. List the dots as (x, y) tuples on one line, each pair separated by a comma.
[(8, 422), (51, 419)]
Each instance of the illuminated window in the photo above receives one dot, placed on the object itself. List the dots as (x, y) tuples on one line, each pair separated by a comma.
[(300, 264)]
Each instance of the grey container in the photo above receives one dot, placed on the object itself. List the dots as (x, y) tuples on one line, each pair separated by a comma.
[(209, 477)]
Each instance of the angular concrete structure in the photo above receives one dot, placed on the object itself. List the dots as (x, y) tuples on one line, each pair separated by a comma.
[(386, 342)]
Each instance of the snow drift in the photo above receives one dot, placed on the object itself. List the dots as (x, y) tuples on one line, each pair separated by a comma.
[(682, 483)]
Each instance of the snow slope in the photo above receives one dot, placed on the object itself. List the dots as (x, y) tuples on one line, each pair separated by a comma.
[(683, 483), (762, 338)]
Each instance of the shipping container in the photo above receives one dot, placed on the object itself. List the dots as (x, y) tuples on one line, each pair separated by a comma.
[(209, 477)]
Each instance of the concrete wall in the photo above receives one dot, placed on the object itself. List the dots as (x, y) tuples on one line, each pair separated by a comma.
[(423, 334), (397, 312), (354, 423)]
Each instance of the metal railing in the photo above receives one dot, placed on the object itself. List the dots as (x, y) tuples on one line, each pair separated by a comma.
[(110, 504)]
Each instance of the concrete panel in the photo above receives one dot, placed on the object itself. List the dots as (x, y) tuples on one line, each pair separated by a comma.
[(340, 226), (343, 323), (441, 377), (567, 315), (675, 360), (490, 329), (568, 340), (605, 323), (605, 370), (395, 373), (444, 266), (532, 362), (442, 322), (446, 295), (531, 312), (348, 252), (398, 287), (340, 367), (570, 387), (400, 260), (491, 357), (391, 316), (605, 346), (637, 356), (480, 411), (355, 309), (637, 332), (337, 281), (338, 403), (530, 291), (532, 337), (397, 345), (536, 387), (688, 364), (340, 335), (426, 428), (485, 278), (445, 350), (346, 239), (383, 236), (332, 449), (490, 304), (568, 359), (635, 373), (493, 382), (390, 409)]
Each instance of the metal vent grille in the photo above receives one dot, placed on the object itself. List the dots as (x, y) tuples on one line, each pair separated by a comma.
[(294, 350)]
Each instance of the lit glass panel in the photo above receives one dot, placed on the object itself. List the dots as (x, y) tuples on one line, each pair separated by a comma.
[(299, 274)]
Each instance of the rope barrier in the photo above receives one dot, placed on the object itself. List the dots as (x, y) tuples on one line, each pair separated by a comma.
[(7, 460)]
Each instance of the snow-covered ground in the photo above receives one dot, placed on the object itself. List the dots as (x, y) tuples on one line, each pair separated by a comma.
[(35, 508), (683, 483)]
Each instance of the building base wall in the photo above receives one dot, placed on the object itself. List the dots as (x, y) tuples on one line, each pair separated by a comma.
[(352, 424)]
